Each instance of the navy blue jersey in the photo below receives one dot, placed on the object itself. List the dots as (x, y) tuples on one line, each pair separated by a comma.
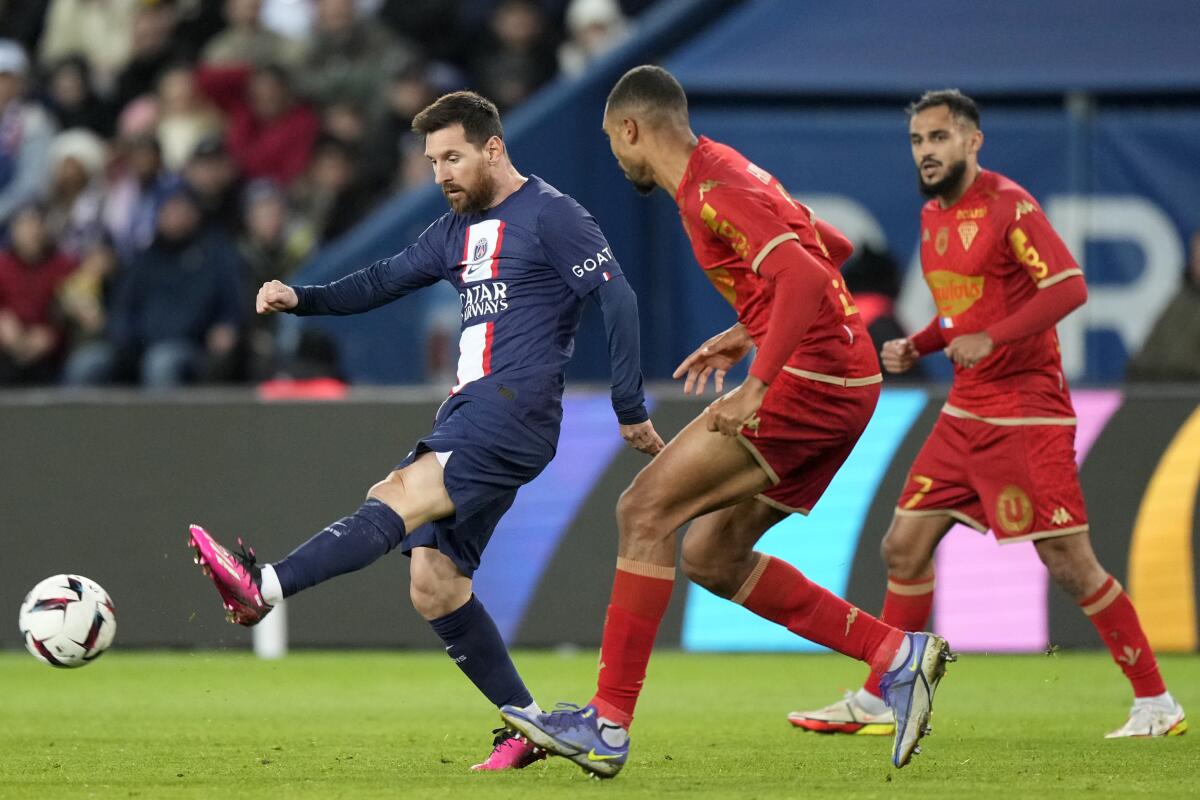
[(522, 270)]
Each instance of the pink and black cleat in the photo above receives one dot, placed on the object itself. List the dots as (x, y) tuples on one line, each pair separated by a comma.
[(510, 752), (235, 575)]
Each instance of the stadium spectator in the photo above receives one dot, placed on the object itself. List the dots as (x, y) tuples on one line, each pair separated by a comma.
[(153, 50), (346, 121), (335, 194), (213, 178), (75, 196), (135, 195), (516, 56), (72, 100), (873, 278), (408, 91), (247, 42), (273, 244), (269, 133), (177, 310), (99, 30), (82, 296), (25, 134), (31, 272), (350, 58), (1172, 350), (185, 117), (595, 27)]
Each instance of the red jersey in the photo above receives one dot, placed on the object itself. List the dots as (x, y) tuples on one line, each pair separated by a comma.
[(983, 258), (735, 214)]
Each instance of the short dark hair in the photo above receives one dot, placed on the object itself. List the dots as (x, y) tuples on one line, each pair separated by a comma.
[(477, 115), (652, 89), (961, 107)]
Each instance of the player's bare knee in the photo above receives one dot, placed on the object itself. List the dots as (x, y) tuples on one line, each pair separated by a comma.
[(431, 597), (903, 560), (390, 490), (638, 514), (1072, 564)]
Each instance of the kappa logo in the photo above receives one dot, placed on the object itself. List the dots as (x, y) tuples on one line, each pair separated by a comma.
[(850, 617), (1130, 656), (1025, 207), (1061, 516), (708, 186)]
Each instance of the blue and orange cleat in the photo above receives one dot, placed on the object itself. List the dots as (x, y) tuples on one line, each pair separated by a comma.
[(235, 575), (575, 733), (908, 691)]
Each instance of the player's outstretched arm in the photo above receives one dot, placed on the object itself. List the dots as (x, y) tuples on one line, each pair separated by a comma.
[(713, 359)]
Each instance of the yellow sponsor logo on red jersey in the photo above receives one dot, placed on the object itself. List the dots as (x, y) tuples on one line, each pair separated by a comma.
[(721, 227), (954, 293), (1027, 254), (723, 281), (971, 213)]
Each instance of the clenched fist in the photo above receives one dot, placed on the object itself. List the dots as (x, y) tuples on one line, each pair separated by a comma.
[(275, 296), (898, 355)]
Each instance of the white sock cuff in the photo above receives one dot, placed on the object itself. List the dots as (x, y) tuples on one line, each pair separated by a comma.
[(272, 592)]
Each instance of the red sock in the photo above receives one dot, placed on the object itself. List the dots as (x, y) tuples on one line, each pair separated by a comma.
[(640, 596), (1114, 616), (905, 606), (779, 592)]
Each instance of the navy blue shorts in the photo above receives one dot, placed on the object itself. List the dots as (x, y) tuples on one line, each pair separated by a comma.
[(492, 455)]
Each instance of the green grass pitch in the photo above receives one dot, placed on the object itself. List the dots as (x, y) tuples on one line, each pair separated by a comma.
[(366, 724)]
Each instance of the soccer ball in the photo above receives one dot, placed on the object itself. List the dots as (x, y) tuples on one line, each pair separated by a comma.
[(67, 621)]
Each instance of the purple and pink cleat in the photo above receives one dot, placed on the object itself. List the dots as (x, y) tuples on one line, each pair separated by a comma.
[(509, 752), (235, 575)]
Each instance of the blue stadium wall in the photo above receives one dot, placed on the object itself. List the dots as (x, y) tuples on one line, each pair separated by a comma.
[(107, 489)]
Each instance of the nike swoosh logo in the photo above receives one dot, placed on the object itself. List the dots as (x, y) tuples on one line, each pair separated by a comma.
[(594, 756), (916, 660)]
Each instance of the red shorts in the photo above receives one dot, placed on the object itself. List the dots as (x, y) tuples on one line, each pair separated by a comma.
[(806, 430), (1020, 480)]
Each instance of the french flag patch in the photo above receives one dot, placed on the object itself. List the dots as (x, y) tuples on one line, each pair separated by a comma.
[(946, 322), (606, 276)]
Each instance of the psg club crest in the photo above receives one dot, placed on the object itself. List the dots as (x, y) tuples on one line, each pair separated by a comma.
[(480, 251)]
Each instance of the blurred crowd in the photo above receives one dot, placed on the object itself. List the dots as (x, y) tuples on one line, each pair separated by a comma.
[(160, 159)]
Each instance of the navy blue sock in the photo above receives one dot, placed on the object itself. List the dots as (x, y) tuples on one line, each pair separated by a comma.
[(474, 643), (347, 545)]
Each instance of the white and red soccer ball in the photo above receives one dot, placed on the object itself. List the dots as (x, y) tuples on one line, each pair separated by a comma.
[(67, 621)]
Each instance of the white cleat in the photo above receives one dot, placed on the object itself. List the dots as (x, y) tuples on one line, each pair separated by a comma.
[(1152, 720), (845, 716)]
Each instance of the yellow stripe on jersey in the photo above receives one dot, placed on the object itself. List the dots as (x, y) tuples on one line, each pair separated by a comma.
[(1161, 580)]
